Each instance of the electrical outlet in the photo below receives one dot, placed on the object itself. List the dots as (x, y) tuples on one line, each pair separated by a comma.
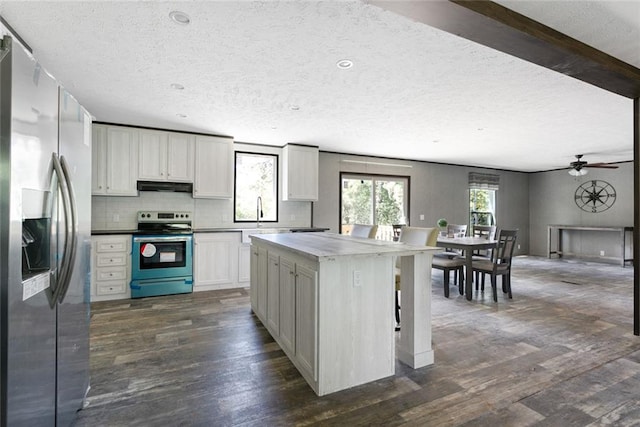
[(116, 218), (518, 247), (421, 217), (601, 253), (292, 218), (357, 278)]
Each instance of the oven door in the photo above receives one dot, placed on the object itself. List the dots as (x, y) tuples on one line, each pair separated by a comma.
[(162, 256)]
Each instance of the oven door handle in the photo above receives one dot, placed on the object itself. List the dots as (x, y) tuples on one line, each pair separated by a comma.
[(162, 239)]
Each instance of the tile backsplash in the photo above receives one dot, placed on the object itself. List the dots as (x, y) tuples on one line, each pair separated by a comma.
[(120, 213)]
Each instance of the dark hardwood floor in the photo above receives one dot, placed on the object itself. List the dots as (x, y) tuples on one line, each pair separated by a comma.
[(561, 353)]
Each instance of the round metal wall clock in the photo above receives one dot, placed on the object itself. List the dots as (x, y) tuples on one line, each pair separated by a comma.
[(595, 196)]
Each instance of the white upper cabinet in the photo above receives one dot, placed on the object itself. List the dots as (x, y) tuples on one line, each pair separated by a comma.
[(165, 156), (99, 160), (180, 154), (299, 173), (213, 168), (115, 161)]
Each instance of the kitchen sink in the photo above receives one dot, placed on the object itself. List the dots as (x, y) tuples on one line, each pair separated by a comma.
[(247, 233)]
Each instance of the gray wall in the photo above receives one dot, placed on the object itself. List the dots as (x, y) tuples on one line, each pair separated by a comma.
[(437, 191), (552, 201)]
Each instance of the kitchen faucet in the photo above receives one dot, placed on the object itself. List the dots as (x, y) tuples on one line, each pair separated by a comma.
[(259, 213)]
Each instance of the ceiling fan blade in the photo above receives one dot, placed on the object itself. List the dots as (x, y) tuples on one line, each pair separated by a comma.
[(601, 165)]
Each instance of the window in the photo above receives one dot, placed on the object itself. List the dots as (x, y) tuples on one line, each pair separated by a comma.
[(482, 207), (256, 187), (482, 198), (373, 199)]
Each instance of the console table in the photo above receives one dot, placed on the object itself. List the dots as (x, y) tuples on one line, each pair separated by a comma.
[(621, 231)]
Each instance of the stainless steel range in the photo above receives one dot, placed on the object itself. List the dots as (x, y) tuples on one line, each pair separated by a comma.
[(162, 261)]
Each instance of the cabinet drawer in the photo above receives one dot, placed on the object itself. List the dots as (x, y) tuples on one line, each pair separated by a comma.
[(111, 274), (105, 260), (109, 288), (118, 245)]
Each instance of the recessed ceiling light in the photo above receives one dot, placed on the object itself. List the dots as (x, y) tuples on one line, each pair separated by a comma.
[(182, 116), (180, 17), (344, 64), (274, 127), (294, 108), (177, 86)]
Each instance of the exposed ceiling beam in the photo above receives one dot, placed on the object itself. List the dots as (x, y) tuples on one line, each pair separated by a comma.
[(497, 27)]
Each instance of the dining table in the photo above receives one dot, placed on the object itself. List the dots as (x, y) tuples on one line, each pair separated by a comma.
[(468, 245)]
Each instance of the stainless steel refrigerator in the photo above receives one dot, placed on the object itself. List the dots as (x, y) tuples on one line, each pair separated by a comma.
[(45, 215)]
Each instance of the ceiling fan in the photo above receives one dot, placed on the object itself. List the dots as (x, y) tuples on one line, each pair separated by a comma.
[(577, 168)]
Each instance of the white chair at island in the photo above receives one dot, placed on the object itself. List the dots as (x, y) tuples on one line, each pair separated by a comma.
[(364, 231)]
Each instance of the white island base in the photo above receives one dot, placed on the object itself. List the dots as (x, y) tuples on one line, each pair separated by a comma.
[(328, 301)]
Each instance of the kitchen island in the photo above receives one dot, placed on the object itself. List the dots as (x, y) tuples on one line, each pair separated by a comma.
[(328, 301)]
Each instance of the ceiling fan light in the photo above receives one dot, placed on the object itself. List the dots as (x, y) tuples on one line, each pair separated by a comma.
[(576, 172)]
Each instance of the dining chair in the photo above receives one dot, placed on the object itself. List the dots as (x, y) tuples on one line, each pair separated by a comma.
[(453, 230), (456, 230), (485, 232), (365, 231), (396, 231), (499, 264), (447, 265), (417, 236)]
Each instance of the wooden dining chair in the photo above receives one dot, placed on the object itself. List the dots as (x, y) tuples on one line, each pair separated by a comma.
[(449, 259), (453, 230), (447, 265), (456, 230), (484, 232), (364, 231), (499, 264), (416, 236)]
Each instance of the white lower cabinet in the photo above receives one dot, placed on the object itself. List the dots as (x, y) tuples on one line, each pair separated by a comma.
[(306, 320), (215, 261), (273, 293), (258, 287), (288, 304), (244, 261), (110, 267), (220, 261), (284, 296)]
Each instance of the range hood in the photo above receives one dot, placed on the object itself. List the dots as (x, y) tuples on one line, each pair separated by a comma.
[(180, 187)]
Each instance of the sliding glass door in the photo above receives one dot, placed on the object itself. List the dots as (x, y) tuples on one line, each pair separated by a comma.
[(374, 199)]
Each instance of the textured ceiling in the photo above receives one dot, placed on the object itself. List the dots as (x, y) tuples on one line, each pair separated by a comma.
[(414, 92)]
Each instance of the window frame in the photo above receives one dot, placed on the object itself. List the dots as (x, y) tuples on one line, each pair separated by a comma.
[(276, 174), (495, 204), (374, 177)]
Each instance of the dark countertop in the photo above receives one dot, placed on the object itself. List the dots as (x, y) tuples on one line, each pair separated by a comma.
[(211, 230), (108, 232)]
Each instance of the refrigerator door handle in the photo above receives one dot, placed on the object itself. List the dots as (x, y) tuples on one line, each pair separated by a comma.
[(65, 264), (74, 228)]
